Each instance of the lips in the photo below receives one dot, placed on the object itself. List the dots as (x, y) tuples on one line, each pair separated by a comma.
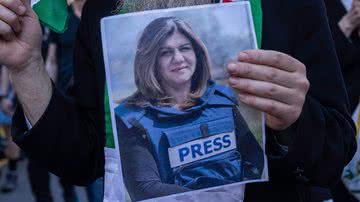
[(179, 68)]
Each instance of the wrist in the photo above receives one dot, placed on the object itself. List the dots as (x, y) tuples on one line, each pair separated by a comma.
[(35, 61), (33, 88), (33, 65)]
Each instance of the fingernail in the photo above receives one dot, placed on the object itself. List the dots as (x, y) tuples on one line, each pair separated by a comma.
[(232, 81), (231, 67), (241, 96), (22, 9), (243, 56)]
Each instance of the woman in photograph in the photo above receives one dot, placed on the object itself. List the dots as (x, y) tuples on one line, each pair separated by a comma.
[(181, 131)]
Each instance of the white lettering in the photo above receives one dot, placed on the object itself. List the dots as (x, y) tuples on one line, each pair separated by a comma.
[(201, 149)]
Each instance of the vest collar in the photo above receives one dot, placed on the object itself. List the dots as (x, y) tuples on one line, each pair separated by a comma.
[(214, 95)]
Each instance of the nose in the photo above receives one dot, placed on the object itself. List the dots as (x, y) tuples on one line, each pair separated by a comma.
[(178, 56)]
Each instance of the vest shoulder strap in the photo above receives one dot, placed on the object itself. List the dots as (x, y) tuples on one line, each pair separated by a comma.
[(128, 113), (223, 95)]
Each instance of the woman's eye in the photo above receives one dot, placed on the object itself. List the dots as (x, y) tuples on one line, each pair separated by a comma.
[(186, 48), (165, 53)]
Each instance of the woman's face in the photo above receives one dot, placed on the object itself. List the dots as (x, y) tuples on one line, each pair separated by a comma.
[(176, 61)]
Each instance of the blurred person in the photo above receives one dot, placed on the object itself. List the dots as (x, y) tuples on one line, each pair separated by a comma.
[(12, 151), (345, 26), (3, 160), (310, 122), (60, 54), (344, 21)]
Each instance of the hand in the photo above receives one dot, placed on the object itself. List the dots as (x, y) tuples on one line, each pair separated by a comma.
[(7, 106), (351, 20), (12, 151), (20, 34), (355, 3), (272, 82)]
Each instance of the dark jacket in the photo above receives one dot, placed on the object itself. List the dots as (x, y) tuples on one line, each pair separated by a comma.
[(69, 137)]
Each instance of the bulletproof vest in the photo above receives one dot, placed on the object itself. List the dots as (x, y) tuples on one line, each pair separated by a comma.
[(195, 148)]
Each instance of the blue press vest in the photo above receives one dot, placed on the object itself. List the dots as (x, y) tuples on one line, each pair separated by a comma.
[(200, 140)]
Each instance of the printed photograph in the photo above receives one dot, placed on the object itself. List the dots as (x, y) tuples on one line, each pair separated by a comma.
[(179, 127)]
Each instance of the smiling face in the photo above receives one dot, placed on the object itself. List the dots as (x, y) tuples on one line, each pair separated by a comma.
[(176, 61), (170, 60)]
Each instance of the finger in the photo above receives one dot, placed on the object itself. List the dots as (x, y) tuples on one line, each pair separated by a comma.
[(29, 10), (10, 18), (271, 58), (6, 32), (263, 89), (356, 9), (27, 4), (269, 106), (262, 73), (275, 123), (16, 6), (356, 3)]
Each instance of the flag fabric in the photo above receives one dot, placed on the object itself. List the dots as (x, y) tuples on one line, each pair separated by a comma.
[(52, 13), (257, 14)]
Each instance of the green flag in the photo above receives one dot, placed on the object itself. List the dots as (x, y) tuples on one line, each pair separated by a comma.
[(52, 13)]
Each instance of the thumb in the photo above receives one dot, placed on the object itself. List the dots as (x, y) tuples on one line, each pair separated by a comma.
[(28, 5)]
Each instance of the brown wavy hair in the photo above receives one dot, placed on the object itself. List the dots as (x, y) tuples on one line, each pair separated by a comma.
[(146, 74)]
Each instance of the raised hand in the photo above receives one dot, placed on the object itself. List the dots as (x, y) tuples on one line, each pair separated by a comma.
[(20, 52), (20, 34), (272, 82), (351, 20)]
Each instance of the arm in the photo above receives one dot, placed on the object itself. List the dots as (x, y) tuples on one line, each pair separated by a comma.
[(324, 135), (140, 172), (68, 138), (20, 52), (347, 49)]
